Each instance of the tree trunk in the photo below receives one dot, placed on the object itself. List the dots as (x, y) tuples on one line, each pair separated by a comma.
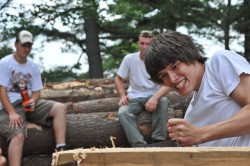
[(92, 39)]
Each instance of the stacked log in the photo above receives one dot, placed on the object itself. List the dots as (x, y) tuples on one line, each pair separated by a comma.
[(91, 119)]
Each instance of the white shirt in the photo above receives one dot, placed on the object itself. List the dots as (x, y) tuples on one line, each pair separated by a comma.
[(212, 103), (133, 68), (13, 75)]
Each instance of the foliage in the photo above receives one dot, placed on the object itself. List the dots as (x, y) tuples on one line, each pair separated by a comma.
[(59, 74), (113, 25), (4, 50)]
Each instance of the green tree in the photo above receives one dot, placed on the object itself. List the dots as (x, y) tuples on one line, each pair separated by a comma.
[(4, 50), (106, 35), (212, 19), (243, 25), (129, 17), (78, 19), (59, 74)]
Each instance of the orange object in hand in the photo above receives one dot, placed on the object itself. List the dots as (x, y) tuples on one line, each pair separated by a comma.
[(25, 98)]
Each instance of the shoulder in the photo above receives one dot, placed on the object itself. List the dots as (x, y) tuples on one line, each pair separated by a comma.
[(6, 59), (32, 64), (223, 57), (226, 55), (132, 56)]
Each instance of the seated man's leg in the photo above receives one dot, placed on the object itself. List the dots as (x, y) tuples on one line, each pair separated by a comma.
[(2, 159), (49, 113), (58, 113), (159, 120), (15, 136), (15, 149), (127, 115)]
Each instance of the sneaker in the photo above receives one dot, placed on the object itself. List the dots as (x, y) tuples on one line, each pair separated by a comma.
[(167, 143), (139, 145), (62, 148), (156, 141)]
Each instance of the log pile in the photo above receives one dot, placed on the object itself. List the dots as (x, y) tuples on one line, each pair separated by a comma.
[(91, 120)]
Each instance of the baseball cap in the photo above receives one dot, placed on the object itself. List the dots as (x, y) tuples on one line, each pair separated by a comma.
[(25, 37)]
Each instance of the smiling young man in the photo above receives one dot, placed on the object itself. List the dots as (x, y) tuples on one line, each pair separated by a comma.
[(17, 73), (142, 95), (219, 112)]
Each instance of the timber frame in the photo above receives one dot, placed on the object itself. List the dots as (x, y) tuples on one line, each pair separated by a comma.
[(169, 156)]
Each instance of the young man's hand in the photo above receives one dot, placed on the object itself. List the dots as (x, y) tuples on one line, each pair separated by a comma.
[(124, 100), (15, 121)]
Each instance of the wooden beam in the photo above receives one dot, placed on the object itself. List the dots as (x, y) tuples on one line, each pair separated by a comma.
[(179, 156)]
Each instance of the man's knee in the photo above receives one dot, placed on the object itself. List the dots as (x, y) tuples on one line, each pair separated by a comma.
[(2, 161), (162, 106), (163, 100), (19, 137), (59, 108), (16, 141), (122, 110)]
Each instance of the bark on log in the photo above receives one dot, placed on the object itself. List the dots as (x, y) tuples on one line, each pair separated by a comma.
[(79, 83), (80, 90), (74, 95), (90, 106), (177, 102), (37, 160), (84, 131), (76, 91)]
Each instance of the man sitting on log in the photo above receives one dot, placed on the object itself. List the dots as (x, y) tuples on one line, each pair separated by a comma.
[(141, 95), (20, 85)]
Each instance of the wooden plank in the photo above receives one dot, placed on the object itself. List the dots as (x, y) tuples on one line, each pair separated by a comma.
[(179, 156)]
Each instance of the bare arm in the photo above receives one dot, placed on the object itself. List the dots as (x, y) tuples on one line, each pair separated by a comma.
[(161, 92), (15, 119), (5, 100), (121, 91), (237, 125), (153, 101)]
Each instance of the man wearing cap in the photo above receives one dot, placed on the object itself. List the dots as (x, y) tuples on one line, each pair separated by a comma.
[(17, 72)]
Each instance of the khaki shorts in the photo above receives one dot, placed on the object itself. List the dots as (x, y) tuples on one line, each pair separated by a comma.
[(39, 116)]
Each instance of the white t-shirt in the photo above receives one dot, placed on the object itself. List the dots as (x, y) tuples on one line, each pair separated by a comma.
[(133, 68), (212, 103), (14, 75)]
